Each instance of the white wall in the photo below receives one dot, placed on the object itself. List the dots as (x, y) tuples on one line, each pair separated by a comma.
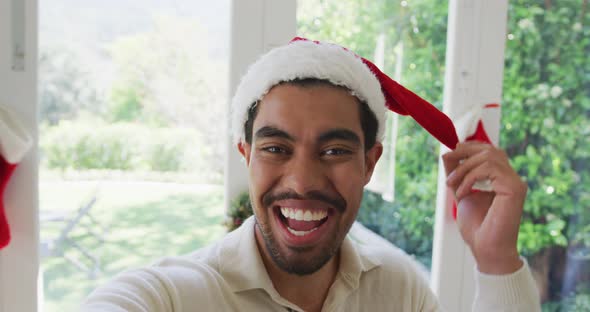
[(19, 261)]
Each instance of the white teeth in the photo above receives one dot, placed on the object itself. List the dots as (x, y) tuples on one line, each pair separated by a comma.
[(303, 215), (300, 233), (307, 215), (319, 215)]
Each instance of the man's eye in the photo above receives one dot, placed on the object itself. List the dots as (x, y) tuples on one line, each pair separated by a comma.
[(336, 152), (274, 150)]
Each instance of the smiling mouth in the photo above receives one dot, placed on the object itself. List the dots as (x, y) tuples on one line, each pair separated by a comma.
[(302, 222)]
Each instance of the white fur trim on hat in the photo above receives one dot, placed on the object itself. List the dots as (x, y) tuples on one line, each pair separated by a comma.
[(301, 60), (15, 141)]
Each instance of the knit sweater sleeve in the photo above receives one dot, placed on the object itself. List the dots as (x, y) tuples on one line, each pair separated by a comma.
[(515, 292), (134, 291)]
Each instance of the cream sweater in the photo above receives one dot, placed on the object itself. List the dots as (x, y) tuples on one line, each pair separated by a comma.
[(230, 276)]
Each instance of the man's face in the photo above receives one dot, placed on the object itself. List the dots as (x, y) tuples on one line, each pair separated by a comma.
[(307, 168)]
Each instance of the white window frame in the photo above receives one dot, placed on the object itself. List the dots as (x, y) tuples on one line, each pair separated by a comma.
[(256, 27), (19, 264), (474, 73)]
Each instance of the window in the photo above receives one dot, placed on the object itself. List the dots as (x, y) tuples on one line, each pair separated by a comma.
[(132, 97)]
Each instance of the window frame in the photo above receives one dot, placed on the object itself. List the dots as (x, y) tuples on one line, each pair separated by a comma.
[(19, 261), (475, 68), (256, 27)]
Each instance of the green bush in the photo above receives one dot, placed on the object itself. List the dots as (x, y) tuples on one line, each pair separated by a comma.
[(174, 149), (239, 210), (574, 302), (408, 228), (71, 145), (125, 104), (546, 126), (121, 146)]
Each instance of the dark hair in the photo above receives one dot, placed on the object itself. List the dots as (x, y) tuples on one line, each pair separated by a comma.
[(368, 120)]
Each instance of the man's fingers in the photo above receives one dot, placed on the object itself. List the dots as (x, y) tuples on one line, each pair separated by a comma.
[(456, 176), (471, 162), (481, 172), (453, 159)]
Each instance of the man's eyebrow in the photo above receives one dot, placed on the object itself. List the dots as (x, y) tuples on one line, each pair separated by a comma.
[(272, 132), (340, 134)]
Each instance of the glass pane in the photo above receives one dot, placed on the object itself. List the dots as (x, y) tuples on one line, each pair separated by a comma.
[(407, 40), (132, 97), (546, 132)]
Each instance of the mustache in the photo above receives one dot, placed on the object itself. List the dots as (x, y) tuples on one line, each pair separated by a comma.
[(336, 201)]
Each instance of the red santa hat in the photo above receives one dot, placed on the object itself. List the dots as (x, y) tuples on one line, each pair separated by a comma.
[(302, 58), (15, 141)]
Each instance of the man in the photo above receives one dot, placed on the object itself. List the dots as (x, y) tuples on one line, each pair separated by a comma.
[(308, 119)]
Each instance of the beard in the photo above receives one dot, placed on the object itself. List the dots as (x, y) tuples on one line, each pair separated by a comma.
[(294, 260), (300, 260)]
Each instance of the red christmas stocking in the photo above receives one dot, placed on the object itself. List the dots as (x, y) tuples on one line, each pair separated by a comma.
[(15, 141), (6, 170)]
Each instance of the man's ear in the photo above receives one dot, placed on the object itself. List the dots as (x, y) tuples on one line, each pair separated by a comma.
[(244, 149), (371, 158)]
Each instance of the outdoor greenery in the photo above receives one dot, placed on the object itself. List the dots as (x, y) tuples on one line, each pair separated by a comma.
[(125, 146), (129, 91), (547, 134), (545, 117), (547, 88), (405, 228), (162, 109), (154, 220), (65, 87), (577, 301), (239, 210)]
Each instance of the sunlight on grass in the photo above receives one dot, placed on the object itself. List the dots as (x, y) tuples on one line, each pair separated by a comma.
[(145, 221)]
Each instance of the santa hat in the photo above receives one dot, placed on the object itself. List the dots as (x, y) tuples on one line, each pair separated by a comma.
[(15, 141), (302, 58)]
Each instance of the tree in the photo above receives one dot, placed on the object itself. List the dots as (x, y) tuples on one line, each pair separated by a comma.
[(546, 131), (166, 77), (66, 86)]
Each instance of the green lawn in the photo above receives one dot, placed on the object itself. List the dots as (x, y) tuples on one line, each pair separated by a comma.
[(146, 221)]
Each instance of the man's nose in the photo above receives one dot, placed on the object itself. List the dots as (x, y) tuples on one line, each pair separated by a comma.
[(304, 174)]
